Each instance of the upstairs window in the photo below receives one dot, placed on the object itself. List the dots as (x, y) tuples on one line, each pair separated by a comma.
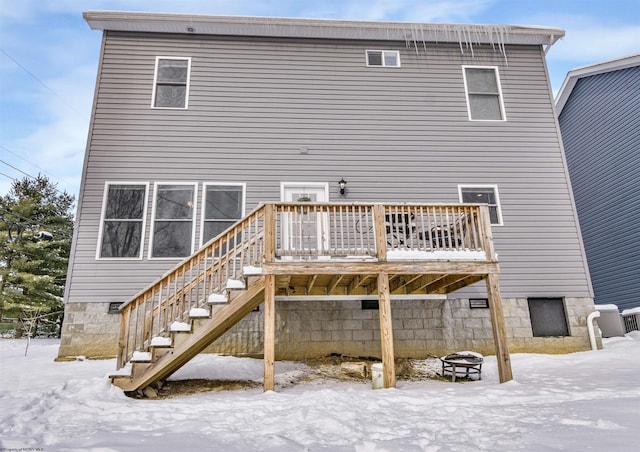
[(223, 205), (171, 82), (122, 225), (385, 58), (483, 194), (173, 220), (484, 95)]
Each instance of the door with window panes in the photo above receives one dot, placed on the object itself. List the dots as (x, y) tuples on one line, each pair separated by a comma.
[(303, 231)]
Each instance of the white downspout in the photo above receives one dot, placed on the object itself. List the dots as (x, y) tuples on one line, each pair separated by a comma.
[(592, 335)]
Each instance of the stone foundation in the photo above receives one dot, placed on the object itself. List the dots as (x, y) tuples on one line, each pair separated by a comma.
[(308, 329)]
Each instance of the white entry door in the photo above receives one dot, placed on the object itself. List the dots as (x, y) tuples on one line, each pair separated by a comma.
[(302, 232)]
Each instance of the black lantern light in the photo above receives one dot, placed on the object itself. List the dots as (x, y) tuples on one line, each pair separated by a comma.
[(342, 184)]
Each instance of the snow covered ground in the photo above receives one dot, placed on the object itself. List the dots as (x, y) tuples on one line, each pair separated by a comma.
[(582, 401)]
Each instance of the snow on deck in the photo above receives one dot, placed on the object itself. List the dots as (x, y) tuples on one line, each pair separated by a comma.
[(463, 255)]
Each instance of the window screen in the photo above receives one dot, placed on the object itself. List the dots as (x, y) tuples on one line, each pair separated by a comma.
[(173, 221), (386, 58), (223, 206), (483, 195), (172, 76), (123, 219), (483, 94)]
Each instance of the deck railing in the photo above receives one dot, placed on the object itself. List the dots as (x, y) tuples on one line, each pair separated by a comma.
[(294, 231)]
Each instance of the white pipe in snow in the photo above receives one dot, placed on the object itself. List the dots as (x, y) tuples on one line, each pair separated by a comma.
[(592, 334)]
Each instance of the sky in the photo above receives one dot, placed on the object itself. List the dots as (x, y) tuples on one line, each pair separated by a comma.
[(574, 402), (49, 57)]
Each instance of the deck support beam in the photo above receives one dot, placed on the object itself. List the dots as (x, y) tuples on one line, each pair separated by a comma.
[(497, 325), (386, 331), (269, 332)]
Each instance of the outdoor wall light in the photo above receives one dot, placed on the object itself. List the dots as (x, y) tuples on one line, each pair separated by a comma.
[(342, 184)]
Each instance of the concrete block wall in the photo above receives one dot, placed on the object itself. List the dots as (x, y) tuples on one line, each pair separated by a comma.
[(308, 329)]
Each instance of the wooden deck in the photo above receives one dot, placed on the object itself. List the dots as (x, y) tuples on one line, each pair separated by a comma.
[(315, 250)]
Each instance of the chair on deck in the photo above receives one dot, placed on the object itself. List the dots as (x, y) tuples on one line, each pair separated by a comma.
[(399, 228)]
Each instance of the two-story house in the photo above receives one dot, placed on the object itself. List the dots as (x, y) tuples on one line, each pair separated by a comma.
[(598, 110), (392, 189)]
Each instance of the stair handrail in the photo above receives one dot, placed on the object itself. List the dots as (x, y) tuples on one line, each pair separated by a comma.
[(169, 298)]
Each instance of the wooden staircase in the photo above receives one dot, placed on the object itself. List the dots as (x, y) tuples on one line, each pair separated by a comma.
[(167, 356)]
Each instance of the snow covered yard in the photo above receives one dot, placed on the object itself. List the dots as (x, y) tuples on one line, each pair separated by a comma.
[(581, 401)]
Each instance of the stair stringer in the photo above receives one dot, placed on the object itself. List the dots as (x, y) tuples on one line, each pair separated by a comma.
[(224, 319)]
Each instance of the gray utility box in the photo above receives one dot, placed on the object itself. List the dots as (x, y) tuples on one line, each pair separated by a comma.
[(610, 321)]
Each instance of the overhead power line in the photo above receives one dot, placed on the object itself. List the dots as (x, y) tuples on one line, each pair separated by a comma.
[(17, 169), (30, 163), (60, 98)]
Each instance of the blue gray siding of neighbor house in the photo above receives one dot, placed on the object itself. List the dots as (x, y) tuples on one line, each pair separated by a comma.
[(599, 116), (304, 106)]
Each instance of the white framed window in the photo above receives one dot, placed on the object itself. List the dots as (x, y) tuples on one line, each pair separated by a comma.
[(222, 205), (483, 194), (171, 83), (173, 227), (122, 221), (384, 58), (484, 93)]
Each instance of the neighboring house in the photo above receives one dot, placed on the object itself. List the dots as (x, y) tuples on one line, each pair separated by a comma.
[(197, 120), (598, 110)]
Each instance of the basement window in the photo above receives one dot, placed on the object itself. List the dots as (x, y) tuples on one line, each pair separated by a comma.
[(478, 303), (370, 305), (384, 58), (548, 317), (114, 308)]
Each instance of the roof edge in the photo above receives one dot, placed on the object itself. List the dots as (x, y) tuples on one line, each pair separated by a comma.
[(321, 28), (576, 74)]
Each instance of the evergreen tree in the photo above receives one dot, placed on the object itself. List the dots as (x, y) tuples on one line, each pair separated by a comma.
[(36, 225)]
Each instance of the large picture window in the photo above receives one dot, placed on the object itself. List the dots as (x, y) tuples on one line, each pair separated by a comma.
[(483, 194), (123, 217), (171, 82), (173, 220), (223, 205), (484, 98)]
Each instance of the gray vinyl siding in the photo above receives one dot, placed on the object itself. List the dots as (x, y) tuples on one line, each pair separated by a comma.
[(395, 134), (600, 124)]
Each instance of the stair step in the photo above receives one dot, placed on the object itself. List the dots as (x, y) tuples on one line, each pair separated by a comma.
[(178, 327), (123, 372), (236, 284), (199, 313), (141, 357), (159, 341), (215, 298)]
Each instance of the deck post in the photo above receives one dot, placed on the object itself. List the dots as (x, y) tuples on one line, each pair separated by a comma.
[(380, 230), (386, 331), (269, 233), (497, 325), (269, 332), (124, 336)]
